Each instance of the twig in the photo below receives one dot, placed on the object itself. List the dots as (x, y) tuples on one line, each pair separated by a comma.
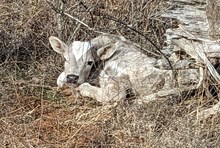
[(60, 20), (81, 3), (84, 24), (105, 16), (74, 18)]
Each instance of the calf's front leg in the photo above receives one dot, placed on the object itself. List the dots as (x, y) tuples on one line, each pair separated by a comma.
[(110, 92)]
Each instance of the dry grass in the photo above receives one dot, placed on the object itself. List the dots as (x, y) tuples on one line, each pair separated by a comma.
[(33, 114)]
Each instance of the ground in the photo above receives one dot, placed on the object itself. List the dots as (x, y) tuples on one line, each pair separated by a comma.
[(33, 113)]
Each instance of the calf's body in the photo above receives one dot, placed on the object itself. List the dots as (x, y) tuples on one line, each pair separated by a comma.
[(123, 70)]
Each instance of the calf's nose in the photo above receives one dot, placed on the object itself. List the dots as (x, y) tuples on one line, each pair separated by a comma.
[(71, 78)]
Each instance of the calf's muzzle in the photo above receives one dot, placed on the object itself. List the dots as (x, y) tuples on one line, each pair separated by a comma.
[(71, 78)]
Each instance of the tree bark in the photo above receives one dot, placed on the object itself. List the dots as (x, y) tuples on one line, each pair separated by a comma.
[(213, 17)]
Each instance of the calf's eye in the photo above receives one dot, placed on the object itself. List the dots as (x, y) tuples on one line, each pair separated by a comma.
[(90, 63)]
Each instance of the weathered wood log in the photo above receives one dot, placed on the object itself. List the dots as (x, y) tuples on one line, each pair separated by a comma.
[(204, 114), (213, 13), (197, 36)]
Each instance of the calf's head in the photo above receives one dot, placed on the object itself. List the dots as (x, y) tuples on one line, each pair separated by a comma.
[(79, 59)]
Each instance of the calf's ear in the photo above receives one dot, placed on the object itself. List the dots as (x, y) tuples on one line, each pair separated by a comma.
[(57, 45), (106, 52)]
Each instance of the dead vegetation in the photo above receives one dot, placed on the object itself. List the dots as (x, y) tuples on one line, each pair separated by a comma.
[(33, 114)]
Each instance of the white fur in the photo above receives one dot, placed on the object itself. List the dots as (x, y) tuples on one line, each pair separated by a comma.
[(61, 80), (79, 49), (75, 59), (125, 68)]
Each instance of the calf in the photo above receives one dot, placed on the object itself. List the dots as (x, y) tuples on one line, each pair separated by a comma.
[(121, 69)]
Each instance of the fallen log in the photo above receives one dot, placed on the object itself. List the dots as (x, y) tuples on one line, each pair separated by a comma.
[(196, 38)]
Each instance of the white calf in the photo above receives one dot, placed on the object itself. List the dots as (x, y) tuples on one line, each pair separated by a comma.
[(122, 69)]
